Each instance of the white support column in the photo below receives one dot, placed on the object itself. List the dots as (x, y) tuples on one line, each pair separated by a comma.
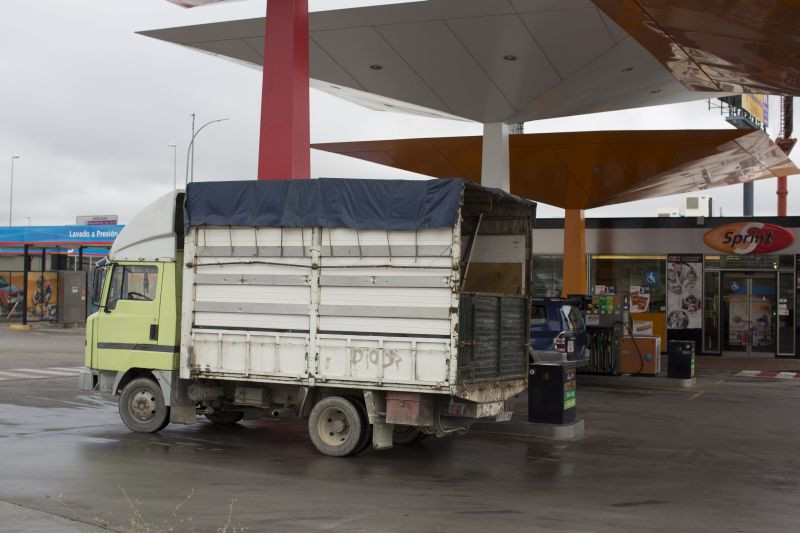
[(495, 171)]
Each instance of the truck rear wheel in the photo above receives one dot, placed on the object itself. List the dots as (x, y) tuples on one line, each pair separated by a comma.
[(142, 407), (335, 427), (366, 433)]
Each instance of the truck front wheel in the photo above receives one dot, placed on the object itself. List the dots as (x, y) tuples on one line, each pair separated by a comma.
[(335, 427), (142, 407)]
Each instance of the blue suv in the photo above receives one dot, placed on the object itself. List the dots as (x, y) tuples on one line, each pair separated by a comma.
[(558, 333)]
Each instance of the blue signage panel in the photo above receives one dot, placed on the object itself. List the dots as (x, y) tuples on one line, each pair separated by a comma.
[(65, 236)]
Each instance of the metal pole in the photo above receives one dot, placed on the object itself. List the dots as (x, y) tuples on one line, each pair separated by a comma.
[(747, 199), (782, 193), (190, 150), (25, 269), (193, 134), (11, 192), (80, 258), (41, 280)]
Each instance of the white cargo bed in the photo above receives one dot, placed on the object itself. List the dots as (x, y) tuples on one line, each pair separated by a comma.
[(342, 307)]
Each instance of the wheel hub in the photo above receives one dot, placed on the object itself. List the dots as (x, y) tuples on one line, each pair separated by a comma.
[(333, 427), (143, 406)]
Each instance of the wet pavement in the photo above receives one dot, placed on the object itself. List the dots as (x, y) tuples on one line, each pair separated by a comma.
[(722, 456)]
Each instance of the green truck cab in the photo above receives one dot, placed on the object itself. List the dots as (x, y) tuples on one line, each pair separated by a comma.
[(134, 334)]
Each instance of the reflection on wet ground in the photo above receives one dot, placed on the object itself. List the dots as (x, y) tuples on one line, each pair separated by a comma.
[(651, 460)]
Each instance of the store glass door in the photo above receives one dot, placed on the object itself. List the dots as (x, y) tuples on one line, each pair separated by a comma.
[(749, 302)]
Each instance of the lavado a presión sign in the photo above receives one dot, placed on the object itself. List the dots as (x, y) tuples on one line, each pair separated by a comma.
[(748, 238)]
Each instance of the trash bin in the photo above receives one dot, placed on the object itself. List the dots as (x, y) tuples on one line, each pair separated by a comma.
[(680, 359), (551, 394)]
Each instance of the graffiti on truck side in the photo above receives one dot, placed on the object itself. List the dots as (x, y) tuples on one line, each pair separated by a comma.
[(372, 356)]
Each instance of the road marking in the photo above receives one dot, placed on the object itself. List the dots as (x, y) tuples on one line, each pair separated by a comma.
[(38, 373), (719, 382), (696, 395), (50, 371), (768, 374)]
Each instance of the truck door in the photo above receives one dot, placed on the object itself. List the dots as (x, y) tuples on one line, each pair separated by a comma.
[(127, 325)]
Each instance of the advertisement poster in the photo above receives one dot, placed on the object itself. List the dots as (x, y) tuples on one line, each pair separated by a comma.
[(42, 295), (640, 299), (684, 292)]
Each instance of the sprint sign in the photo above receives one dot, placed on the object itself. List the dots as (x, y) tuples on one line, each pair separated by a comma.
[(748, 238)]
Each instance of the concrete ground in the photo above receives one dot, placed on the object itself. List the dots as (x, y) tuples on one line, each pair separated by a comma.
[(722, 456)]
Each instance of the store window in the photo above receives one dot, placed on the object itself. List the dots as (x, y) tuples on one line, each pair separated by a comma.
[(711, 312), (749, 262), (547, 275), (642, 277)]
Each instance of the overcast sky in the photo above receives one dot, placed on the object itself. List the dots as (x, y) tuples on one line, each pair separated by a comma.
[(90, 107)]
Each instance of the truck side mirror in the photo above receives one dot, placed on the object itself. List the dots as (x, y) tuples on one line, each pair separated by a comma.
[(98, 277)]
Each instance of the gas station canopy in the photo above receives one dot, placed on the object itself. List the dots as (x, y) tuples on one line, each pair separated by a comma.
[(489, 61), (590, 169), (520, 60)]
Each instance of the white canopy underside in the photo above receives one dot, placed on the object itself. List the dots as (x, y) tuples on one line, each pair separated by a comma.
[(488, 61)]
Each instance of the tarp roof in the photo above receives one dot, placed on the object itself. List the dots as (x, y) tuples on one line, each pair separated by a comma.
[(329, 202)]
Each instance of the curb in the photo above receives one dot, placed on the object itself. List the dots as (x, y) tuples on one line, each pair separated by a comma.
[(570, 431)]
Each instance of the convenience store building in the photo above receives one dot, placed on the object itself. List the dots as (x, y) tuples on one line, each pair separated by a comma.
[(743, 302)]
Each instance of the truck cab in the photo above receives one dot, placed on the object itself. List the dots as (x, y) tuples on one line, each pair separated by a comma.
[(134, 334)]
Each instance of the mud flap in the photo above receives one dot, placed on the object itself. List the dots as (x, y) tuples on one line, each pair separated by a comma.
[(382, 435), (183, 414)]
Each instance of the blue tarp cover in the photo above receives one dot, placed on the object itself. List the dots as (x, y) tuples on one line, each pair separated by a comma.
[(326, 202)]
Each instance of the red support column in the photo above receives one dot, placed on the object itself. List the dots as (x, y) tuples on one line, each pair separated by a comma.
[(783, 192), (284, 144)]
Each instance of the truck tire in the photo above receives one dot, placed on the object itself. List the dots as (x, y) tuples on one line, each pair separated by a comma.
[(225, 418), (335, 426), (366, 434), (142, 407), (407, 435)]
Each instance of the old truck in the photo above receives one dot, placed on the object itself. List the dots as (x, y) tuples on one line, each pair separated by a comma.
[(381, 310)]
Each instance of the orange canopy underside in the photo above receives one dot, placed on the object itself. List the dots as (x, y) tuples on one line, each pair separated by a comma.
[(582, 170), (718, 45)]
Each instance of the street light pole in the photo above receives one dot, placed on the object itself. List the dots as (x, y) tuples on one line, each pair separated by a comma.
[(11, 192), (174, 166), (193, 134), (190, 150)]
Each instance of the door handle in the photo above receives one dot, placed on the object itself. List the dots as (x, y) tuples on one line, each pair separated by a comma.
[(153, 332)]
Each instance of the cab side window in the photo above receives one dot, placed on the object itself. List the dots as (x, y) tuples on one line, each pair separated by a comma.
[(132, 282)]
